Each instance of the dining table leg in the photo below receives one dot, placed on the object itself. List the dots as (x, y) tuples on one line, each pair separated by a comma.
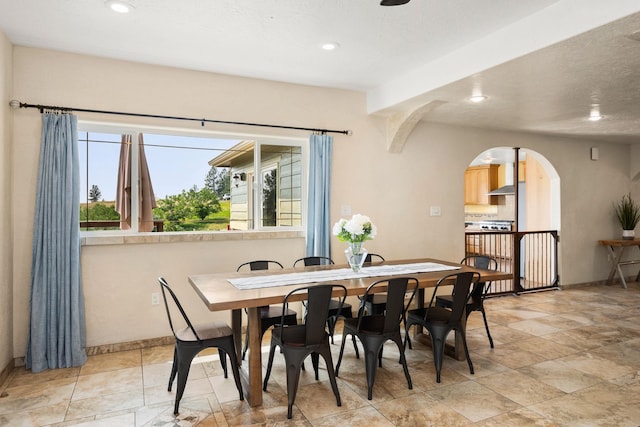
[(253, 380), (236, 327)]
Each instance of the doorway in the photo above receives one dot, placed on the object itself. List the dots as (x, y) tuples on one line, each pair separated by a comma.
[(521, 190)]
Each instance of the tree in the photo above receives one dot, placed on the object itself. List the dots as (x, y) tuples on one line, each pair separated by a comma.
[(189, 204), (269, 198), (210, 179), (95, 194), (218, 181)]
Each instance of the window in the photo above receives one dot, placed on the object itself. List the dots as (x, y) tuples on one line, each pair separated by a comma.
[(275, 198), (200, 183)]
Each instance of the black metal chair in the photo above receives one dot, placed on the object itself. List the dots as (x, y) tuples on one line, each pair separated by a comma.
[(373, 258), (439, 321), (374, 330), (313, 260), (479, 291), (269, 316), (191, 339), (346, 311), (296, 342), (374, 304)]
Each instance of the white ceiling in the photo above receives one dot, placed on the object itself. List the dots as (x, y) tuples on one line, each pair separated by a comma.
[(542, 63)]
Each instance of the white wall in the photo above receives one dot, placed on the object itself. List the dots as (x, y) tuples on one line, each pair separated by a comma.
[(6, 255), (394, 189)]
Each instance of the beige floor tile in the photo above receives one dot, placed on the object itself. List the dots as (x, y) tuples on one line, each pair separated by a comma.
[(38, 395), (558, 375), (472, 400), (596, 366), (361, 417), (105, 404), (421, 410), (538, 327), (520, 388), (21, 376), (519, 418), (96, 385), (570, 410), (561, 358), (111, 362), (157, 354)]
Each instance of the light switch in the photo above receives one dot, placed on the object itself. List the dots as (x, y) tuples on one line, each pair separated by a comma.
[(345, 210), (434, 211)]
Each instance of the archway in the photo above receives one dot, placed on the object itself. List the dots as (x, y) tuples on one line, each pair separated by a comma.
[(512, 213)]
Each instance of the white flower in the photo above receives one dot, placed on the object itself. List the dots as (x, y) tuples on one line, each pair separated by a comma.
[(358, 229), (337, 227)]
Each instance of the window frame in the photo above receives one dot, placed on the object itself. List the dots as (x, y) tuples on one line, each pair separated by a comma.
[(256, 198)]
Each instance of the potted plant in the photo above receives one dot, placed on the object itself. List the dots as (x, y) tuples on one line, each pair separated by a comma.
[(628, 213)]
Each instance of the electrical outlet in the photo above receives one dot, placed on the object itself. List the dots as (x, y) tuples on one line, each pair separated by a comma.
[(155, 298)]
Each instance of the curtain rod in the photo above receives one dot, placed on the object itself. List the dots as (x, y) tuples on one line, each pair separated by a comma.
[(17, 104)]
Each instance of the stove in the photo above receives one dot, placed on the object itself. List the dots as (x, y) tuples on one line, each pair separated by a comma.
[(493, 238), (495, 225)]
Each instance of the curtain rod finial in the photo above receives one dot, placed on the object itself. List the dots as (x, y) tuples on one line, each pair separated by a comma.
[(349, 132), (15, 104)]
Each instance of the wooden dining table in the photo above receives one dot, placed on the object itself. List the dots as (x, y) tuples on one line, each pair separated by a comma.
[(219, 294)]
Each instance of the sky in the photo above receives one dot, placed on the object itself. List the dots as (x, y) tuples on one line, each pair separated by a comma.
[(172, 169)]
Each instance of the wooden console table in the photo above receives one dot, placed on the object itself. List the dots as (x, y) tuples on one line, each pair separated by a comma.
[(616, 248)]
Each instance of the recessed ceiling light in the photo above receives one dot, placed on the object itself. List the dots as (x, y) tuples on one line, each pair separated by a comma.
[(595, 115), (330, 46), (477, 98), (119, 6)]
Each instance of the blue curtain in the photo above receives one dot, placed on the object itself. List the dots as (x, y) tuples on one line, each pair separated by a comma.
[(318, 218), (57, 323)]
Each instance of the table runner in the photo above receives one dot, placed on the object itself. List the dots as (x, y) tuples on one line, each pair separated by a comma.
[(303, 277)]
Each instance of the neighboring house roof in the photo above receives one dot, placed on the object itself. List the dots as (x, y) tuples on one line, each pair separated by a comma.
[(241, 153)]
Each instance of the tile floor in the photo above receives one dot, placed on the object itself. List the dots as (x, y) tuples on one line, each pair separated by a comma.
[(561, 358)]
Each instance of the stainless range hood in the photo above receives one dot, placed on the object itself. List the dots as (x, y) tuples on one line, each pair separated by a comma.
[(504, 190), (509, 187)]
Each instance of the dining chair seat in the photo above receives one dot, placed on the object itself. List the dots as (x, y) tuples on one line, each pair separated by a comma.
[(192, 339)]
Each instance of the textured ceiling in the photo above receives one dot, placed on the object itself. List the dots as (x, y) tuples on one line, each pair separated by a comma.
[(543, 81)]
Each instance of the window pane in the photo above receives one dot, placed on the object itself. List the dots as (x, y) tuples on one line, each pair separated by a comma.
[(189, 192), (99, 153), (282, 185)]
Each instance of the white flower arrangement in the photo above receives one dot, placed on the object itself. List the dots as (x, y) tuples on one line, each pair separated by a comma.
[(356, 230)]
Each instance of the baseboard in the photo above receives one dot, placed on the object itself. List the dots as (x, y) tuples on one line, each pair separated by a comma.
[(131, 345), (616, 282), (110, 348), (4, 374)]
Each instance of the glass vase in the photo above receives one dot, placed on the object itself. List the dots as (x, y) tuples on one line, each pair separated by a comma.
[(356, 254)]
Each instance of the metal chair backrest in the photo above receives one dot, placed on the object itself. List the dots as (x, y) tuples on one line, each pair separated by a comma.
[(483, 262), (373, 258), (397, 302), (164, 286), (314, 260), (317, 301), (461, 292), (260, 265)]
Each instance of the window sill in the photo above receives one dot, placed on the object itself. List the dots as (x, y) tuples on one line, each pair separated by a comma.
[(117, 238)]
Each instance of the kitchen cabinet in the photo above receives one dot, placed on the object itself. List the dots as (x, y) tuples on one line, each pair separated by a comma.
[(478, 181)]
